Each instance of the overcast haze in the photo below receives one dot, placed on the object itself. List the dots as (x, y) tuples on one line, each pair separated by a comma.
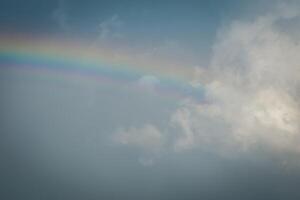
[(149, 99)]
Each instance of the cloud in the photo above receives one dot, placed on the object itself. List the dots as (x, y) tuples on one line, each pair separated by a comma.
[(147, 138), (60, 16), (109, 28), (251, 101), (252, 87)]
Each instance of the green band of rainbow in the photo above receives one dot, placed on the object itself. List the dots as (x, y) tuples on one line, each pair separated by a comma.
[(77, 60)]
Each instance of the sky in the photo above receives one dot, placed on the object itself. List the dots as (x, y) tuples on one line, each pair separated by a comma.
[(149, 99)]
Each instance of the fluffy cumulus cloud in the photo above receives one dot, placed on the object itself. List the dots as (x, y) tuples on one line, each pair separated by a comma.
[(252, 92)]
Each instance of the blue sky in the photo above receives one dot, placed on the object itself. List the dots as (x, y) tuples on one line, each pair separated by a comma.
[(232, 133)]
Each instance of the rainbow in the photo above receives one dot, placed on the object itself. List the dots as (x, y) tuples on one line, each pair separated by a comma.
[(78, 58)]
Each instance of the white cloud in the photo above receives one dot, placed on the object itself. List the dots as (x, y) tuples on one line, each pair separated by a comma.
[(252, 87), (147, 138), (252, 92)]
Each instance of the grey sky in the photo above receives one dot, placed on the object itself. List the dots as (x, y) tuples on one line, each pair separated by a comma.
[(67, 137)]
